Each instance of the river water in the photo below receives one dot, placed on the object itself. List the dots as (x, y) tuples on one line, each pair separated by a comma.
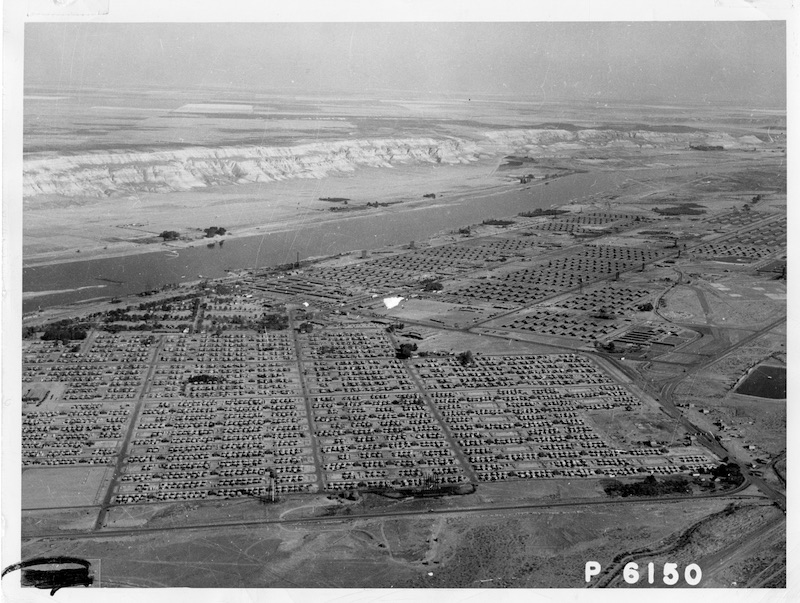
[(72, 282)]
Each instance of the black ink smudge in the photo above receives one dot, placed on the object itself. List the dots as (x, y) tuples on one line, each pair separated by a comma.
[(53, 578)]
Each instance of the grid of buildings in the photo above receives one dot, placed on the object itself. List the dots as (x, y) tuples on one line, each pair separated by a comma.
[(195, 400), (246, 414)]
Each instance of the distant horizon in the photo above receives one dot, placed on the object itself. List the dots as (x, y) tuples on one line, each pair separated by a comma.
[(396, 95), (641, 63)]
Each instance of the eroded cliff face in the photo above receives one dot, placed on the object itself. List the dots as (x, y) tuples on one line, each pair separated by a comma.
[(551, 140), (113, 173), (108, 173)]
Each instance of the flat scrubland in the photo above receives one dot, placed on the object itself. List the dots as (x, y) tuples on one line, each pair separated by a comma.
[(539, 549)]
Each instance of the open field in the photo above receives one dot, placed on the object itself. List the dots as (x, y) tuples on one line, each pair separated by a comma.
[(540, 549), (65, 487)]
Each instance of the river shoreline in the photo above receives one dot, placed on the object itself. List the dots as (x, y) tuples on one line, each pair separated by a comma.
[(262, 247), (325, 217)]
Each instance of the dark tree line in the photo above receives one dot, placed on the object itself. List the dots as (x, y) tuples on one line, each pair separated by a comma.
[(273, 322), (65, 330), (212, 231), (466, 358), (430, 284), (649, 486), (405, 350), (204, 379)]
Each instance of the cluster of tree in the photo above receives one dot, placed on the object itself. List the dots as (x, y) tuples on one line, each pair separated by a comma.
[(433, 354), (430, 284), (706, 147), (118, 314), (222, 289), (335, 199), (608, 347), (238, 319), (273, 322), (429, 196), (603, 314), (165, 305), (684, 209), (124, 315), (170, 235), (212, 231), (649, 486), (65, 330), (466, 358), (117, 328), (498, 222), (354, 207), (542, 212), (286, 267), (405, 350), (754, 200), (645, 307), (204, 379), (729, 473)]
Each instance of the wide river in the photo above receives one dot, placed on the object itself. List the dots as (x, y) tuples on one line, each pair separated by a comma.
[(72, 282)]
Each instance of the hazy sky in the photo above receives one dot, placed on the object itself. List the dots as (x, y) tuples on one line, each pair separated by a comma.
[(743, 62)]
